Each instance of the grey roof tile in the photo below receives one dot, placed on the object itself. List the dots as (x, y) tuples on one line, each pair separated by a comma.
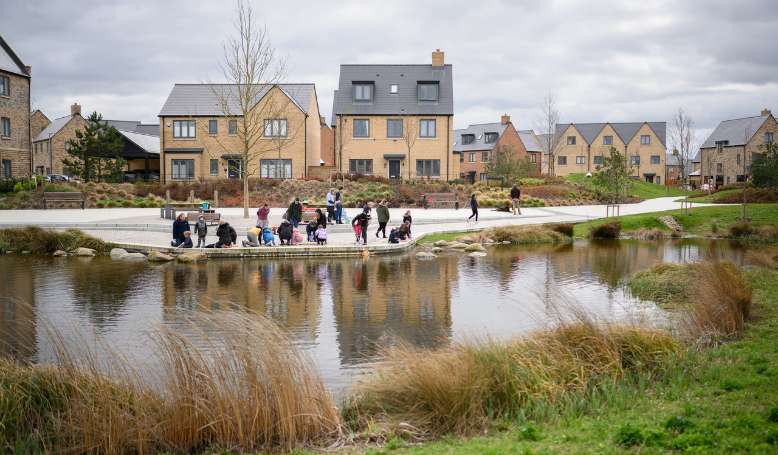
[(9, 61), (147, 142), (626, 130), (53, 128), (530, 140), (202, 99), (478, 131), (736, 131)]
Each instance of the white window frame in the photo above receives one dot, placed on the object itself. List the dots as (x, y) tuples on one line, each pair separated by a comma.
[(394, 89), (276, 128), (471, 157), (184, 129), (5, 127), (485, 157)]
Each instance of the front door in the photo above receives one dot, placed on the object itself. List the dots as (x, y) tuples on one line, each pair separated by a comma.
[(394, 169), (471, 177)]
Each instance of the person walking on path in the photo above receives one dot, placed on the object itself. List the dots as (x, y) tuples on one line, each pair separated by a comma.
[(473, 207), (516, 199), (407, 219), (383, 218), (295, 212), (339, 206), (331, 205), (362, 220), (180, 225), (262, 216), (201, 229)]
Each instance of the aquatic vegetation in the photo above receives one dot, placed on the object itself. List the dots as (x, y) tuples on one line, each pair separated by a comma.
[(609, 230), (36, 240), (526, 234)]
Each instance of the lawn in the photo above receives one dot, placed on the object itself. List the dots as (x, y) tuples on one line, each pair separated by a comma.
[(641, 189), (718, 400)]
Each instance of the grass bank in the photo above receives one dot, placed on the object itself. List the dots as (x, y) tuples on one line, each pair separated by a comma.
[(519, 235), (638, 189), (40, 241)]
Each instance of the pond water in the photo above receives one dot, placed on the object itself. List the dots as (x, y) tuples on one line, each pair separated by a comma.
[(340, 310)]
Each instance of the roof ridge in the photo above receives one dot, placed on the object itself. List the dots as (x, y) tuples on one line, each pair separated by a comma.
[(743, 118), (393, 64), (231, 83), (136, 132)]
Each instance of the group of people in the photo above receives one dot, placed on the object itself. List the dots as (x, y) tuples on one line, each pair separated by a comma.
[(515, 203), (182, 233)]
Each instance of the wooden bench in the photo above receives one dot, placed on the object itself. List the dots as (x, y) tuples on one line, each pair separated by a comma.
[(64, 196), (437, 200), (209, 217)]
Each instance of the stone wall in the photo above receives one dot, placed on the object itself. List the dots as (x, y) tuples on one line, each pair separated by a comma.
[(16, 107)]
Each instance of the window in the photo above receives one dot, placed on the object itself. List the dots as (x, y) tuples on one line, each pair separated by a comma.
[(427, 168), (232, 127), (471, 157), (483, 176), (394, 127), (361, 127), (5, 86), (394, 89), (360, 166), (655, 159), (214, 167), (428, 91), (561, 160), (275, 127), (213, 127), (427, 128), (533, 158), (468, 139), (579, 159), (234, 168), (183, 169), (645, 139), (597, 159), (721, 144), (634, 160), (570, 140), (5, 127), (607, 140), (275, 169), (183, 128), (7, 169), (490, 138), (363, 92), (484, 157), (768, 138)]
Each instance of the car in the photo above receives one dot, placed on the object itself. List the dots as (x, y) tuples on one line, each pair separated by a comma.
[(57, 178)]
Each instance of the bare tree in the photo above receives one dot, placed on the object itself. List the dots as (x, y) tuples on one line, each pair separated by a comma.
[(546, 124), (682, 139), (410, 132)]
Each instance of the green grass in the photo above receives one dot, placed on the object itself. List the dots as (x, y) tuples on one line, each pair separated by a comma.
[(640, 188), (714, 197), (666, 284), (447, 236), (719, 400)]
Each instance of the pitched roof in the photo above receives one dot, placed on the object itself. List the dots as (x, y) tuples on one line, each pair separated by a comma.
[(478, 131), (626, 131), (53, 128), (202, 99), (542, 139), (147, 142), (530, 140), (697, 158), (135, 126), (737, 131), (405, 101), (9, 61)]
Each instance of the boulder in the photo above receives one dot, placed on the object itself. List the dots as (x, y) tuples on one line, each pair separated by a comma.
[(477, 254), (194, 256), (489, 241), (467, 240), (458, 245), (156, 256), (436, 250), (506, 242), (134, 257), (59, 253), (440, 243), (81, 251), (425, 255), (118, 253), (475, 247)]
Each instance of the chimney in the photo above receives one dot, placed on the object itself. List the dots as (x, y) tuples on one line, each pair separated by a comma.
[(322, 120), (505, 119), (438, 58), (766, 112), (28, 70), (75, 109)]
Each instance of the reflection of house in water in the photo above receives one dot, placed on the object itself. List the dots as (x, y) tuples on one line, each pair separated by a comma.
[(17, 310), (391, 299)]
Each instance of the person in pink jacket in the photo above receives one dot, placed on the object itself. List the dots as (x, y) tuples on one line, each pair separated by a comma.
[(262, 215)]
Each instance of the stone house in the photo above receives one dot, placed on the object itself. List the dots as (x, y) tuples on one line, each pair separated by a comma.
[(532, 143), (727, 154), (15, 80), (396, 121), (580, 147), (49, 146), (200, 141)]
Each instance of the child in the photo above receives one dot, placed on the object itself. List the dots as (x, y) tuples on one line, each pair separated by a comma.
[(297, 238), (187, 243), (407, 219), (393, 236), (310, 230), (267, 237), (321, 235), (201, 229), (358, 232)]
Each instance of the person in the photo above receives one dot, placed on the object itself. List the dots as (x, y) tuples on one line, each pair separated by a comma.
[(285, 232), (383, 218), (339, 206), (321, 220), (262, 216), (321, 235), (362, 220), (187, 243), (473, 207), (331, 205), (252, 235), (180, 225), (226, 234), (297, 238), (393, 236), (407, 219), (404, 231), (295, 212), (516, 199), (310, 230), (267, 236), (201, 229)]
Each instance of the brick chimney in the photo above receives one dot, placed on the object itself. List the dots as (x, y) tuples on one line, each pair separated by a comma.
[(438, 58), (75, 108), (505, 119), (28, 70), (766, 112)]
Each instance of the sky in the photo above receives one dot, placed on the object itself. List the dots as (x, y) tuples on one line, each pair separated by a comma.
[(603, 61)]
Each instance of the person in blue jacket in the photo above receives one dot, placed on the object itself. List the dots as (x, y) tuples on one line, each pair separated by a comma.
[(180, 225)]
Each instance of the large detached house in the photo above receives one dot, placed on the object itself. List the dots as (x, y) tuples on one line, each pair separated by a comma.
[(580, 147), (396, 121), (15, 134), (727, 154), (199, 141)]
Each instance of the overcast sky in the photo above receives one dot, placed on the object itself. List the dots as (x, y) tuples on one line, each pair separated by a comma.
[(612, 61)]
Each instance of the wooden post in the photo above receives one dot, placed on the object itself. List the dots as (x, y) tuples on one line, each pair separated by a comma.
[(191, 196), (167, 196), (215, 198)]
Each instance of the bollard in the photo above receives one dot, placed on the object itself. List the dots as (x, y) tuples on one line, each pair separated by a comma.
[(215, 198), (167, 196), (191, 196)]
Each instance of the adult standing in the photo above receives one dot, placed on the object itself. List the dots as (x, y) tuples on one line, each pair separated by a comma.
[(262, 216), (516, 199), (383, 218), (473, 207), (295, 212), (331, 205), (339, 206), (362, 219), (180, 225)]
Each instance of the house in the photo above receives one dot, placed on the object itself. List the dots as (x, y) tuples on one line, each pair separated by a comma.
[(48, 146), (327, 144), (141, 147), (199, 141), (396, 121), (580, 147), (15, 79), (727, 154), (546, 141), (477, 144), (532, 143), (673, 172)]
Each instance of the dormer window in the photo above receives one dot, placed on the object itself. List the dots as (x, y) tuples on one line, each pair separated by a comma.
[(428, 91), (394, 89), (468, 139), (490, 138), (363, 92), (721, 144)]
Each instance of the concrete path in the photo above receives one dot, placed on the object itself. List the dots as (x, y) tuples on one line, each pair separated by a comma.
[(144, 226)]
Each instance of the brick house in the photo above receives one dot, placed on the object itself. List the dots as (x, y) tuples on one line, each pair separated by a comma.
[(199, 142), (327, 144), (580, 147), (379, 110), (534, 148), (726, 156), (15, 80)]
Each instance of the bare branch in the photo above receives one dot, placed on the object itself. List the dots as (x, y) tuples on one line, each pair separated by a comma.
[(546, 124)]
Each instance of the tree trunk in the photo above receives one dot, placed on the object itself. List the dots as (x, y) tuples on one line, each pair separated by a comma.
[(245, 195)]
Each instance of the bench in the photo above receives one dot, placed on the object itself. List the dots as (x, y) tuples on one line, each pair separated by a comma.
[(64, 196), (209, 217), (437, 200)]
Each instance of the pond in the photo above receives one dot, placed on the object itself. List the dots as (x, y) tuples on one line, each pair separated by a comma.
[(342, 311)]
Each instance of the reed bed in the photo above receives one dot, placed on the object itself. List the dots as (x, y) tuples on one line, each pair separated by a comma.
[(527, 234), (46, 241)]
